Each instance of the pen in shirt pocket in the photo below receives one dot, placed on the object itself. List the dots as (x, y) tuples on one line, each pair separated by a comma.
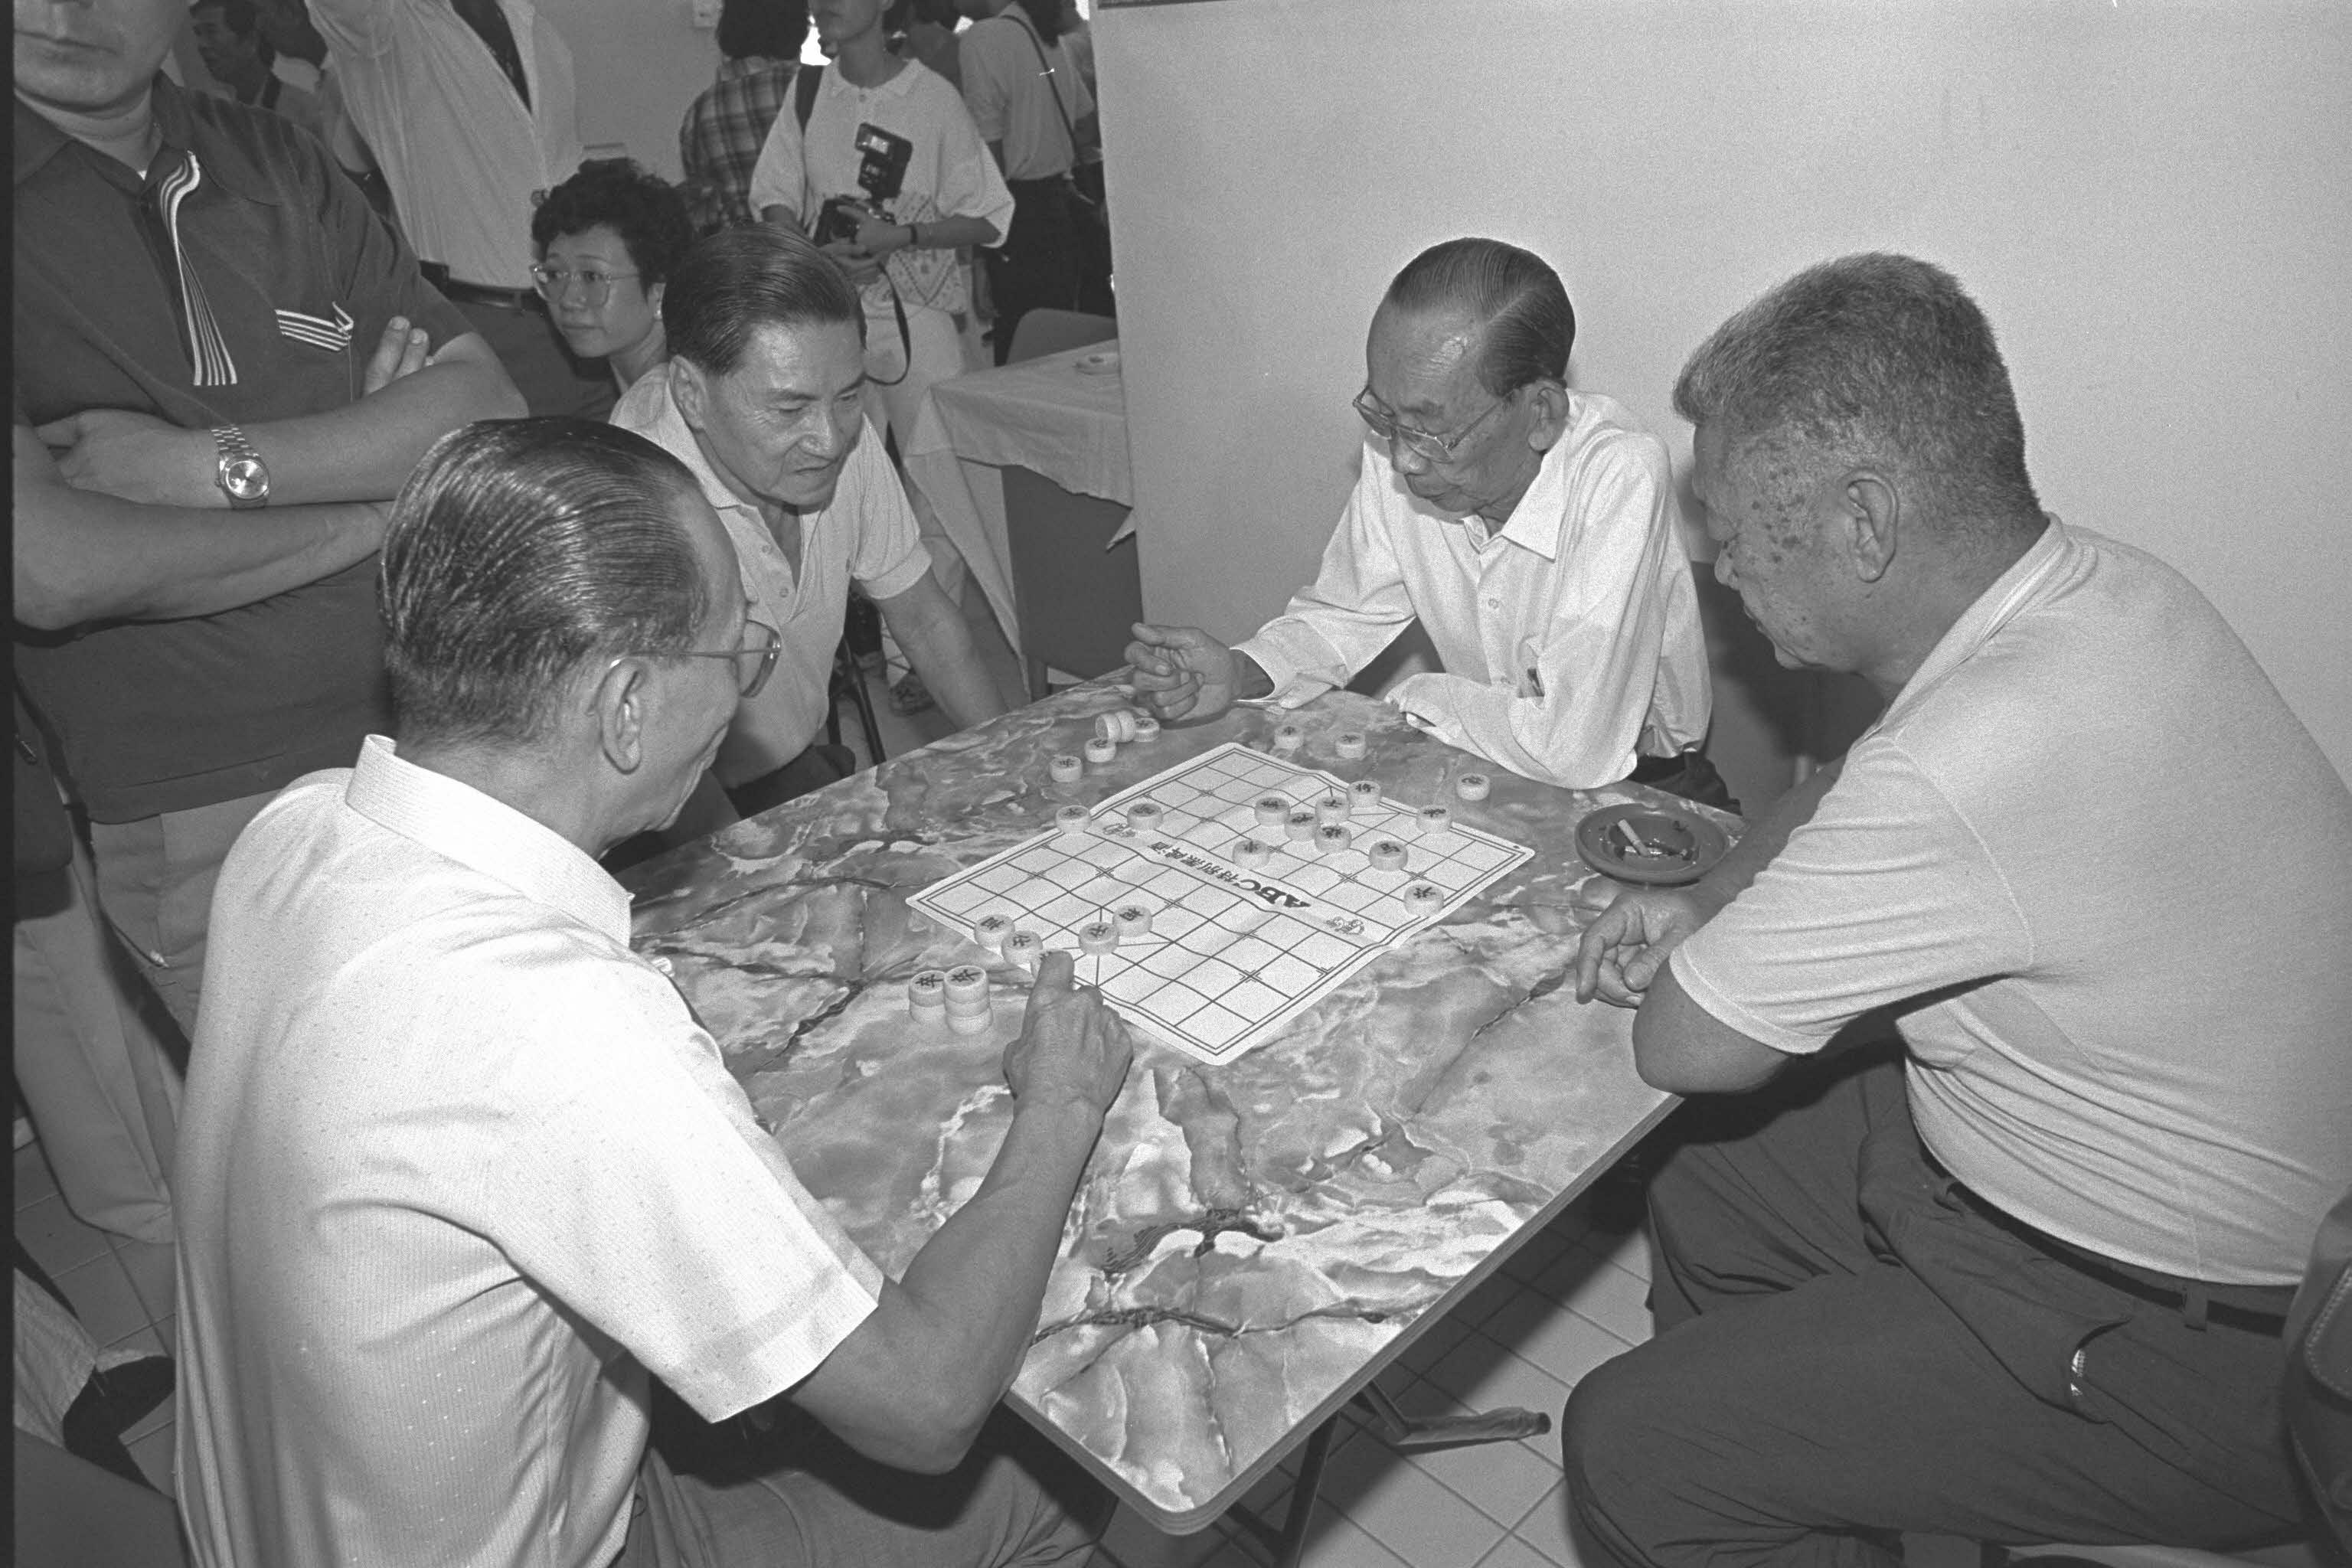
[(1533, 685)]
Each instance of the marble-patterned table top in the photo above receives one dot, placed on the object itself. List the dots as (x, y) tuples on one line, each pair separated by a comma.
[(1253, 1241)]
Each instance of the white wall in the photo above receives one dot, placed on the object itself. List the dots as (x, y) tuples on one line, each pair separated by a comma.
[(2152, 202), (640, 64)]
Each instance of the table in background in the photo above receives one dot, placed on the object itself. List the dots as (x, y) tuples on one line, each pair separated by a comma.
[(1253, 1242), (1043, 415)]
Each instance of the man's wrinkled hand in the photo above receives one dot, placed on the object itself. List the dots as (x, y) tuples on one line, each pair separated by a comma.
[(1625, 947), (136, 457), (1072, 1047), (1182, 671), (401, 352)]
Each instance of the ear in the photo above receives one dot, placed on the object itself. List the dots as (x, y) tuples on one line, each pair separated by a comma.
[(618, 702), (1872, 511), (653, 295), (1550, 399), (691, 391)]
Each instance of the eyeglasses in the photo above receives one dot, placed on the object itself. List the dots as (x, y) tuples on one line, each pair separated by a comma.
[(596, 287), (762, 651), (1424, 443)]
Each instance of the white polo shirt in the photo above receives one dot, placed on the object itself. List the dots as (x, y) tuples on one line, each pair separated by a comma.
[(866, 532), (456, 1169), (2089, 827), (1566, 635), (461, 152)]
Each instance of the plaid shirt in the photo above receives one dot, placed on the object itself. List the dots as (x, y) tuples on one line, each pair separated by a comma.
[(720, 139)]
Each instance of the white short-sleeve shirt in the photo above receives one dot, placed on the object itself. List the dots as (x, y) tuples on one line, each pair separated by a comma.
[(1569, 634), (867, 533), (949, 173), (2094, 845), (456, 1169)]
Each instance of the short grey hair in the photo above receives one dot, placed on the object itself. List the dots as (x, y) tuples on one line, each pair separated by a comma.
[(1870, 359), (519, 551)]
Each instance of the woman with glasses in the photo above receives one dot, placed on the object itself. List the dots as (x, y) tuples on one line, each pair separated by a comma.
[(607, 240)]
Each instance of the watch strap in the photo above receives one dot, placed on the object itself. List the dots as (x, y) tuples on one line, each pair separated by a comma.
[(233, 448)]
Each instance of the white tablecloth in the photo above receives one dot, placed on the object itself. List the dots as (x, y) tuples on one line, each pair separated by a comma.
[(1043, 414)]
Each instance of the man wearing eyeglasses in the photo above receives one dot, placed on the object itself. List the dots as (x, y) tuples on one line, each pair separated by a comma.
[(1529, 528), (762, 402), (460, 1173)]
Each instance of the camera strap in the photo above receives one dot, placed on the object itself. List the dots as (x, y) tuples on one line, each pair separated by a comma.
[(806, 82), (1052, 90)]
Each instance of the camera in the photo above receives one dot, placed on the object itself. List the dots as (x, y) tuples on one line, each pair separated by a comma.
[(882, 159)]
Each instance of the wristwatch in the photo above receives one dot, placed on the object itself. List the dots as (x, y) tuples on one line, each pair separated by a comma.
[(241, 475)]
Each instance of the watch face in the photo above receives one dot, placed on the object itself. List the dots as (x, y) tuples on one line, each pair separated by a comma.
[(246, 479)]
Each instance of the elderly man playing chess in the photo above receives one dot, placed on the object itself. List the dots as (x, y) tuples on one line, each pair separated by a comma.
[(1530, 528)]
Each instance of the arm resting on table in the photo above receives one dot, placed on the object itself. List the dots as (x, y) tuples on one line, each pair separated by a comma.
[(912, 1384), (939, 645), (82, 556)]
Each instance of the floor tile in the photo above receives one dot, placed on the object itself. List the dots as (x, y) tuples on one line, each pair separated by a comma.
[(32, 1179), (151, 1267), (1484, 1376), (1546, 1528), (1337, 1542), (1513, 1552), (58, 1241), (1542, 1249), (1501, 1480), (103, 1300), (1435, 1341), (1559, 1342), (1598, 1289), (1405, 1509), (153, 1454), (1630, 1253), (1491, 1293), (146, 1340)]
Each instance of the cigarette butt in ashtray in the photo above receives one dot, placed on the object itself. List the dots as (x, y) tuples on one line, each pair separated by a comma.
[(1624, 830)]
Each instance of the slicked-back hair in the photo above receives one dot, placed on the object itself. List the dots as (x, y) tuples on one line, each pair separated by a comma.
[(647, 211), (1530, 327), (519, 551), (775, 29), (1870, 359), (738, 280)]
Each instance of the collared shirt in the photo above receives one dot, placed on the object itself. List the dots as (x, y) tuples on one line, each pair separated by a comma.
[(721, 139), (1568, 636), (2090, 828), (463, 154), (948, 175), (866, 532), (243, 281), (1010, 81), (456, 1169)]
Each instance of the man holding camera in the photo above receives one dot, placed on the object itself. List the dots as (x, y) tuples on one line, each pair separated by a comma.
[(761, 400), (1531, 530), (882, 163)]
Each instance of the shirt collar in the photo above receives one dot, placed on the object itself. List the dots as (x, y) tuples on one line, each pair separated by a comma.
[(488, 836), (1534, 523), (673, 435), (1994, 608), (38, 141)]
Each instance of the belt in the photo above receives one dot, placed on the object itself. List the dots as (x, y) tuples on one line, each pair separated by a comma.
[(2246, 1307), (463, 293)]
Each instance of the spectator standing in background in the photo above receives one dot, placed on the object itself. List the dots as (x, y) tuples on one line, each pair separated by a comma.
[(302, 60), (608, 238), (468, 107), (243, 61), (721, 139), (926, 31), (1036, 117), (157, 386), (949, 194)]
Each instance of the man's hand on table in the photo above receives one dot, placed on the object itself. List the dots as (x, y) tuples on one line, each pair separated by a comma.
[(1182, 672), (1623, 950), (1072, 1048)]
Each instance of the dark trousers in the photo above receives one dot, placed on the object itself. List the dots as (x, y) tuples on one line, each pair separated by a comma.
[(1847, 1347), (1036, 268)]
